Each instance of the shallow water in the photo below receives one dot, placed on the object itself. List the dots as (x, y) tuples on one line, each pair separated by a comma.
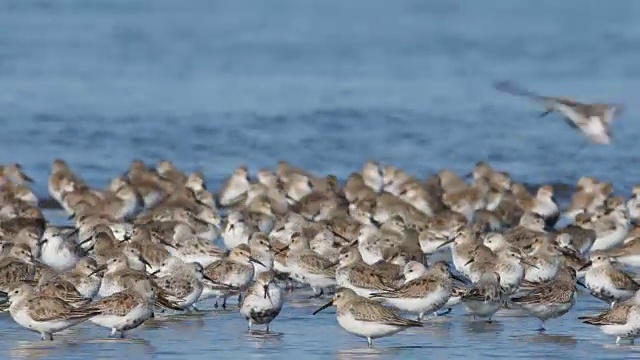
[(325, 85)]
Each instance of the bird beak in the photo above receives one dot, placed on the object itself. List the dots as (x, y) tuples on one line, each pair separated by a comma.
[(266, 291), (254, 260), (75, 231), (375, 222), (99, 269), (155, 273), (85, 241), (71, 216), (458, 277), (446, 243), (581, 284), (202, 221), (469, 262), (209, 279), (528, 263), (145, 262), (42, 241), (585, 266), (282, 250), (469, 175), (330, 303), (166, 243)]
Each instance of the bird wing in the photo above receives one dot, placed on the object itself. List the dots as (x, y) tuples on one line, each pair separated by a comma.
[(622, 280), (175, 288), (416, 288), (48, 308), (118, 304), (551, 292), (569, 111), (316, 264), (219, 270), (513, 89), (64, 290), (372, 311), (615, 316), (14, 271), (366, 278)]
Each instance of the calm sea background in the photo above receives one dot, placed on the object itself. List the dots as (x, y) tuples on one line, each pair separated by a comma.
[(326, 85)]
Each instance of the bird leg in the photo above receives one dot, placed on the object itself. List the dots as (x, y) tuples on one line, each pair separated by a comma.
[(541, 328), (370, 342)]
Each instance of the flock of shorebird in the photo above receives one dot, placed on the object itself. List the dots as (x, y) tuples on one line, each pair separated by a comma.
[(146, 243)]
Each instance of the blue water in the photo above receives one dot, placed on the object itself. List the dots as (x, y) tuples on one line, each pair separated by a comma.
[(325, 85)]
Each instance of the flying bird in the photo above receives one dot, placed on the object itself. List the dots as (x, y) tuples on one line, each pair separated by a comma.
[(593, 120)]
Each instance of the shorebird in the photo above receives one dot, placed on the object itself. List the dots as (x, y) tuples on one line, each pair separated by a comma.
[(485, 297), (353, 273), (309, 267), (86, 276), (606, 282), (426, 292), (263, 301), (593, 120), (622, 320), (232, 272), (372, 176), (45, 314), (57, 249), (633, 205), (366, 318), (508, 264), (465, 247), (181, 283), (552, 299), (611, 228), (127, 309), (261, 250)]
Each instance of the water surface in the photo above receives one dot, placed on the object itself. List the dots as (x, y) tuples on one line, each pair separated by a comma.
[(325, 85)]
